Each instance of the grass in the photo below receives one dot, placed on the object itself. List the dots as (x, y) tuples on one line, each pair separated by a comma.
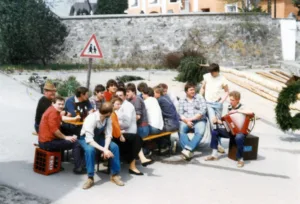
[(96, 67)]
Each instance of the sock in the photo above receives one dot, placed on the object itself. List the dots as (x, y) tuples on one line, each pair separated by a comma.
[(214, 153), (91, 178), (241, 159)]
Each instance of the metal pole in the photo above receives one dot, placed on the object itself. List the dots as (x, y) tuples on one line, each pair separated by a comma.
[(89, 73), (275, 8)]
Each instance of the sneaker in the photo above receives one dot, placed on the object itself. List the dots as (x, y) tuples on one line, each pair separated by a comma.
[(211, 158), (187, 154), (88, 184), (221, 149), (117, 180), (240, 164)]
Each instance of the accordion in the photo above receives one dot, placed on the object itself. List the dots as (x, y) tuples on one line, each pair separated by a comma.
[(238, 123)]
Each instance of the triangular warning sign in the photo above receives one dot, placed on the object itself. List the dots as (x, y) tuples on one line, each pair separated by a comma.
[(92, 49)]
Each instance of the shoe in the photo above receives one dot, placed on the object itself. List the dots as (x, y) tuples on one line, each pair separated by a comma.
[(62, 168), (79, 170), (117, 180), (221, 149), (187, 154), (164, 150), (88, 184), (148, 163), (240, 164), (211, 158), (135, 173)]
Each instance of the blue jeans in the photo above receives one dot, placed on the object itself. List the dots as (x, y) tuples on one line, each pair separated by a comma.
[(214, 109), (199, 129), (143, 131), (90, 155), (222, 132), (153, 130)]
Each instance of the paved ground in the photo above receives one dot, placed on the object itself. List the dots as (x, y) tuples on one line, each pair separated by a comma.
[(274, 178)]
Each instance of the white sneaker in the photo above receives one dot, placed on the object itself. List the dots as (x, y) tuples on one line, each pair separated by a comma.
[(187, 154)]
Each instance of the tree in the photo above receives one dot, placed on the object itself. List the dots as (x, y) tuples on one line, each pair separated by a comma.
[(29, 32), (297, 4), (111, 6)]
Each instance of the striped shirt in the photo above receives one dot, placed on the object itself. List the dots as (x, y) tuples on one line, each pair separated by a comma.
[(190, 108)]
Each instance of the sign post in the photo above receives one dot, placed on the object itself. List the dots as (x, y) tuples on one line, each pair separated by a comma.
[(91, 50)]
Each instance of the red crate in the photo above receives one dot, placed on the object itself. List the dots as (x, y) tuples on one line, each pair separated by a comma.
[(46, 162)]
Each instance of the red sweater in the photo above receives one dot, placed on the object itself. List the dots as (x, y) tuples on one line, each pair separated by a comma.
[(50, 123)]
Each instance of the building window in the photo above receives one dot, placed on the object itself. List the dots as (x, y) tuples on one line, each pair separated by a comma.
[(153, 2), (173, 1), (133, 3), (205, 10), (231, 8)]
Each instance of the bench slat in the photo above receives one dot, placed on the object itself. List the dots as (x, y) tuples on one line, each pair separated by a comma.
[(151, 137)]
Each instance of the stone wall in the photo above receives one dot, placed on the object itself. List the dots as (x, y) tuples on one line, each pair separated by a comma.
[(228, 39)]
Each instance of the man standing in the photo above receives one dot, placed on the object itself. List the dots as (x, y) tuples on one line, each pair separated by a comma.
[(192, 112), (234, 107), (52, 139), (215, 90), (96, 133), (44, 103)]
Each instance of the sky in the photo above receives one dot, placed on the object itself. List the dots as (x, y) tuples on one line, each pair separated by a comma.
[(62, 7)]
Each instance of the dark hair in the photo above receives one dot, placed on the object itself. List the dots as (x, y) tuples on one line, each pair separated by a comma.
[(158, 89), (122, 90), (81, 90), (99, 88), (149, 91), (141, 86), (121, 84), (235, 94), (110, 83), (131, 87), (58, 98), (189, 85), (163, 85), (214, 68), (116, 98), (105, 108)]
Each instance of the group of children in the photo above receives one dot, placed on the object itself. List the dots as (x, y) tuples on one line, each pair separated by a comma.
[(116, 119)]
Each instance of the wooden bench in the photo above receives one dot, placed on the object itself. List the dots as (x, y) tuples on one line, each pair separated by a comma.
[(163, 134)]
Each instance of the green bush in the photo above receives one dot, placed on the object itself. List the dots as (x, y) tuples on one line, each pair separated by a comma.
[(67, 87), (172, 60), (29, 32), (127, 78), (190, 70)]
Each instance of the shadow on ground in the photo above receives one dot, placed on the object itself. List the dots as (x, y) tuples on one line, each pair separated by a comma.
[(20, 175)]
